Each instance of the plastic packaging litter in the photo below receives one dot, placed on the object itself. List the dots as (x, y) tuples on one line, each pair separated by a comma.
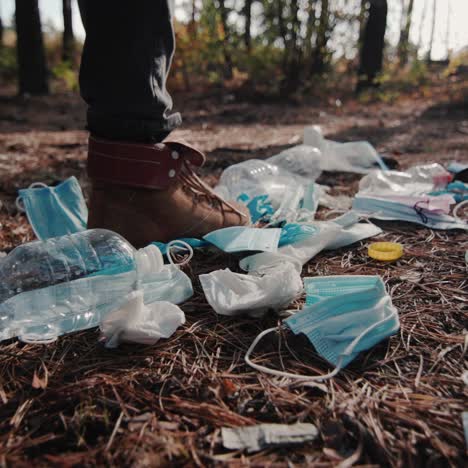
[(69, 283), (359, 156), (265, 188), (458, 190), (455, 167), (253, 178), (261, 436), (273, 288), (321, 235), (136, 322), (301, 160), (418, 180)]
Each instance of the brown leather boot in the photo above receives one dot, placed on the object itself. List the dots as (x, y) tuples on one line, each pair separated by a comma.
[(149, 192)]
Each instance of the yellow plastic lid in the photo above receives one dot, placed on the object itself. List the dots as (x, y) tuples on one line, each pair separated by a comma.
[(385, 251)]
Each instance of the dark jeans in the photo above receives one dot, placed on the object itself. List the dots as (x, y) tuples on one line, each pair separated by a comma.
[(126, 59)]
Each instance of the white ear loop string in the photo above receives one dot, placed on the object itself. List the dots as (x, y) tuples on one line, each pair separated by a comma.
[(333, 373), (457, 209), (279, 373), (179, 245), (19, 201)]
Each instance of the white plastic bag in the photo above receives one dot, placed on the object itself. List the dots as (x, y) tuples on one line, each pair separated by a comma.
[(234, 293)]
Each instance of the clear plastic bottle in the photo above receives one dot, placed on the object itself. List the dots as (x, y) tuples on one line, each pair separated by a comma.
[(47, 286), (255, 177)]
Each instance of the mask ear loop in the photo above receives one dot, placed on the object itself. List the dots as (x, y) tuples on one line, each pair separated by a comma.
[(179, 245), (457, 209), (19, 200), (279, 373), (333, 373)]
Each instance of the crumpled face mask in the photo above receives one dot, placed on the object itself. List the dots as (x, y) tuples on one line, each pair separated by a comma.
[(231, 293), (135, 322), (54, 211), (389, 210), (242, 239), (352, 316)]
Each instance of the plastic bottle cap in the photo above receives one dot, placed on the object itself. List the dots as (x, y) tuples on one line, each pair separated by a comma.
[(149, 260), (385, 251)]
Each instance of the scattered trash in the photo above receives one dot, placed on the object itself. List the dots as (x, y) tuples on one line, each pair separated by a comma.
[(455, 167), (385, 251), (322, 235), (457, 189), (419, 212), (358, 156), (135, 322), (352, 314), (243, 239), (418, 180), (72, 282), (54, 211), (271, 288), (255, 438), (302, 160), (458, 208)]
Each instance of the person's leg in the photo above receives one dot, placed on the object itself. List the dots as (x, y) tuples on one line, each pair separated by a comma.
[(124, 67), (142, 188)]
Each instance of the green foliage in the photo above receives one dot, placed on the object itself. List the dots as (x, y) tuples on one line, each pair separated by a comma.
[(67, 75), (8, 64)]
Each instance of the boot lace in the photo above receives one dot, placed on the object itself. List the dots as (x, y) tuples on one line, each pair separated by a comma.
[(200, 190)]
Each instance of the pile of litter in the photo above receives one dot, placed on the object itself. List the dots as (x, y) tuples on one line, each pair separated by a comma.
[(134, 296)]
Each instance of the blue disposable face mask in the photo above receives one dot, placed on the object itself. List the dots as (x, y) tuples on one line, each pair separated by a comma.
[(390, 210), (55, 211), (352, 315), (242, 239)]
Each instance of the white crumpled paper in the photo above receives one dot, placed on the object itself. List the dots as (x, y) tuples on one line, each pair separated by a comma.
[(137, 322), (255, 438)]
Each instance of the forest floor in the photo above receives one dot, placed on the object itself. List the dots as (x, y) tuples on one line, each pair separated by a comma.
[(74, 402)]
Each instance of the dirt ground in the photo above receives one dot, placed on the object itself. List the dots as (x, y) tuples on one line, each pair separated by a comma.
[(74, 403)]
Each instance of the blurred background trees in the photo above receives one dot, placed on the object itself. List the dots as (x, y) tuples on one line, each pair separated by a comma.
[(263, 47)]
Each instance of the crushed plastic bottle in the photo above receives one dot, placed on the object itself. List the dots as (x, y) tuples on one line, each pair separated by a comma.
[(253, 178), (417, 180), (65, 284), (301, 160)]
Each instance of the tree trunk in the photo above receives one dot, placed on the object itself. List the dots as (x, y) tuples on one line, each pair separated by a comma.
[(421, 24), (403, 43), (32, 69), (310, 30), (192, 26), (371, 57), (68, 46), (248, 25), (226, 40), (362, 22), (323, 33), (431, 42), (1, 32)]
